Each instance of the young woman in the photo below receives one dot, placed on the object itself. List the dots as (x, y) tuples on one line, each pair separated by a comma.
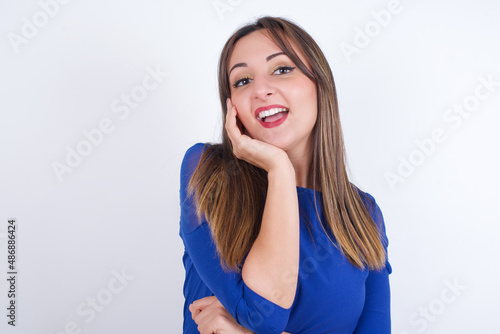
[(276, 237)]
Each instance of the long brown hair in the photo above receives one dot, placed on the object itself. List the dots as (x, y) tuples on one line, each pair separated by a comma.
[(231, 192)]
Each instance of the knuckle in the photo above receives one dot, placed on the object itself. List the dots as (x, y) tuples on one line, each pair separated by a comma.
[(219, 321)]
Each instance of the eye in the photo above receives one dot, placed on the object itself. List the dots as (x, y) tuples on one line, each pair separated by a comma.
[(241, 82), (284, 70), (279, 71)]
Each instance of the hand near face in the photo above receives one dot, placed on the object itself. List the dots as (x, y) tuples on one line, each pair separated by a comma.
[(212, 318), (256, 152)]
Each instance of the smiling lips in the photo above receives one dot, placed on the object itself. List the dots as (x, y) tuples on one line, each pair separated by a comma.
[(272, 115)]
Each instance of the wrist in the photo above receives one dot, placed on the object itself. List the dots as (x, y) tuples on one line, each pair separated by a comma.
[(282, 174), (281, 164)]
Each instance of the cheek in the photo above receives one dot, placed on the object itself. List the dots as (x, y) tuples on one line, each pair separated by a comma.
[(244, 114), (237, 101), (307, 97), (242, 106)]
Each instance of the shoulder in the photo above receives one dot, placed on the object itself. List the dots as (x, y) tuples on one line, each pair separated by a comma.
[(189, 164), (372, 207), (367, 198), (189, 219), (192, 158), (191, 161), (192, 155), (376, 214)]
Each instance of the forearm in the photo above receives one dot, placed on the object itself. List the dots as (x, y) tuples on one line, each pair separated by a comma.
[(271, 267)]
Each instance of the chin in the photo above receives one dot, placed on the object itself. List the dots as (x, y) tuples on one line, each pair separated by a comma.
[(285, 140), (282, 143)]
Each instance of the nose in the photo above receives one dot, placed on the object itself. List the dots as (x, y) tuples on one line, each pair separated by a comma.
[(263, 88)]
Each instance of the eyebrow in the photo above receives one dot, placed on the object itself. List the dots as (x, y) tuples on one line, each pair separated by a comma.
[(268, 58)]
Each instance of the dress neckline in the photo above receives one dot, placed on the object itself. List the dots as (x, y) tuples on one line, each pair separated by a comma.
[(308, 190)]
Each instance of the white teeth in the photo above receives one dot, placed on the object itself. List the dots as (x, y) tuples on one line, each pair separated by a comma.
[(270, 112)]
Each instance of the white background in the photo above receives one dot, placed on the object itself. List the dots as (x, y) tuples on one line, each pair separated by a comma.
[(118, 210)]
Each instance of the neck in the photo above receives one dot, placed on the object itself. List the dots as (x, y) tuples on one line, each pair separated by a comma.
[(301, 158)]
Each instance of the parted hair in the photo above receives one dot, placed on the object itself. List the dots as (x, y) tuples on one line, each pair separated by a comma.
[(231, 193)]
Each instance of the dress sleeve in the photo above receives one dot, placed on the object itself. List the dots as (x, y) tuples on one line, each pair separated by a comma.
[(246, 306), (376, 315)]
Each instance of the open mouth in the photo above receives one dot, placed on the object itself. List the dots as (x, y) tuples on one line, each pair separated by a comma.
[(273, 117)]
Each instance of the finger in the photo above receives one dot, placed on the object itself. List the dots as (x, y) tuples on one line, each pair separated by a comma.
[(204, 318), (198, 305), (212, 318), (241, 140), (231, 125), (194, 312)]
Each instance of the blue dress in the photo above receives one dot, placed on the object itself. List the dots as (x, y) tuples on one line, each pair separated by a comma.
[(333, 296)]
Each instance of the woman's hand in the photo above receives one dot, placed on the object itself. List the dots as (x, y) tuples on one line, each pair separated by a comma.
[(254, 151), (212, 318)]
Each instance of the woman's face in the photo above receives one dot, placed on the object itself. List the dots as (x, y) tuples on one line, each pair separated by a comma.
[(275, 101)]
